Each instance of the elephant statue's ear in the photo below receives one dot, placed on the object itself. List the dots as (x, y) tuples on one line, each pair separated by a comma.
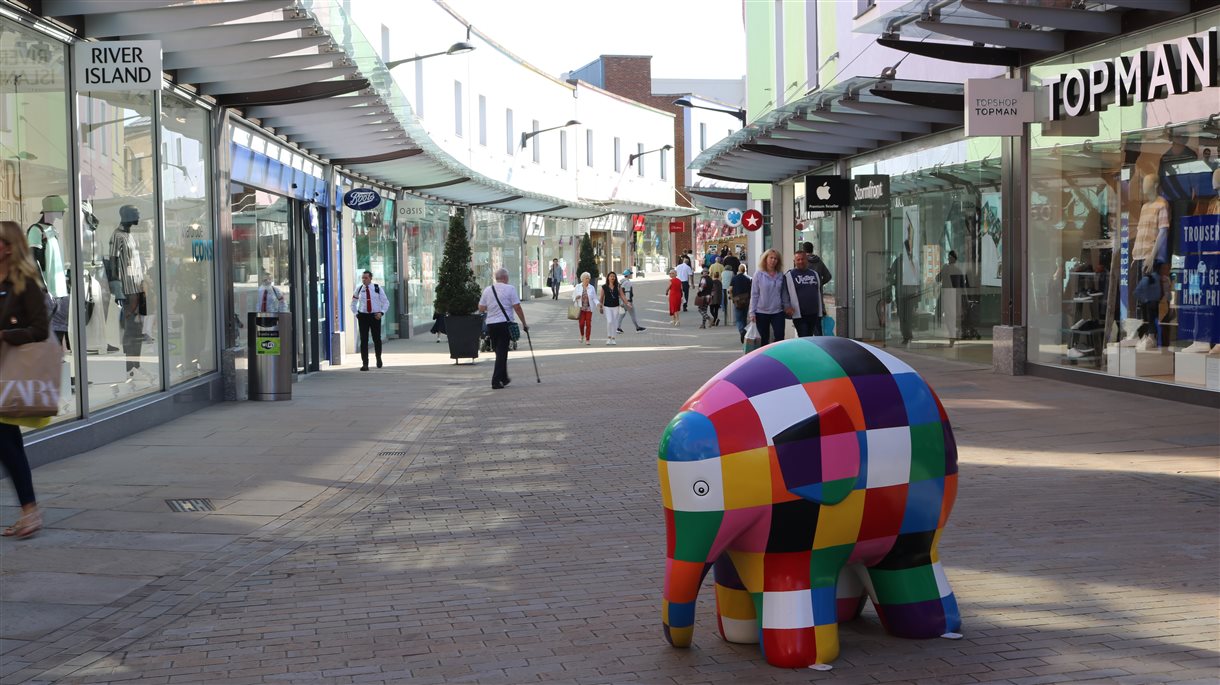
[(819, 457)]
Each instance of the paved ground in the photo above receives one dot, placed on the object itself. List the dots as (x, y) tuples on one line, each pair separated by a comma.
[(412, 525)]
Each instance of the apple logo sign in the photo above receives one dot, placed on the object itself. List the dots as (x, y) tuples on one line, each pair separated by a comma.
[(823, 191)]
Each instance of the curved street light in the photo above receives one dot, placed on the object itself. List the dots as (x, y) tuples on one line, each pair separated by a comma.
[(634, 156), (686, 102), (525, 136), (458, 48)]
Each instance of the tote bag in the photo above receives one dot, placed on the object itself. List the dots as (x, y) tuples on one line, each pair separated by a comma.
[(574, 311), (30, 377)]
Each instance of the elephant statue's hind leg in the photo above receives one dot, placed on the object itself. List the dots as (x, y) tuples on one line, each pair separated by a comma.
[(850, 592), (915, 602), (735, 609)]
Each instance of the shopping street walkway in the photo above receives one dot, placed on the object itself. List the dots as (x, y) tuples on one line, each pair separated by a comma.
[(413, 525)]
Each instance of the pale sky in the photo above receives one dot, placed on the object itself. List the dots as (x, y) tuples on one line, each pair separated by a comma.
[(686, 38)]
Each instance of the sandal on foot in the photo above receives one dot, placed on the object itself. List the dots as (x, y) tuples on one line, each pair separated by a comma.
[(25, 527)]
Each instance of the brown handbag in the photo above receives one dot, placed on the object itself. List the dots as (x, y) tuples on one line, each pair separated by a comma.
[(30, 378)]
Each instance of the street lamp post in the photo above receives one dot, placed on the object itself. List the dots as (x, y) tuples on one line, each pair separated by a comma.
[(686, 102), (525, 136), (632, 157), (457, 48)]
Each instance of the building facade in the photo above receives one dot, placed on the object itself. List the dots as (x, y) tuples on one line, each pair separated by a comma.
[(166, 212), (1024, 251)]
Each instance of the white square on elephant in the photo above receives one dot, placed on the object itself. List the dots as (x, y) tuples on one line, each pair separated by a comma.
[(889, 456), (787, 609), (893, 364), (780, 409), (696, 485)]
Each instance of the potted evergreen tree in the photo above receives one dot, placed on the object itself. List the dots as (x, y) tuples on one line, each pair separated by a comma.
[(587, 262), (457, 293)]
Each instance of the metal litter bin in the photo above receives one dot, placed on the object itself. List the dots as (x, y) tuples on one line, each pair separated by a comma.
[(270, 356)]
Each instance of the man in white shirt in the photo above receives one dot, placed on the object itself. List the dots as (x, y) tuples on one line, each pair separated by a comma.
[(684, 273), (498, 302), (270, 299), (369, 304)]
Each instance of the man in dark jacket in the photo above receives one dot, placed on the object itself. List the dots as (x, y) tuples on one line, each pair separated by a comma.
[(805, 292), (816, 263)]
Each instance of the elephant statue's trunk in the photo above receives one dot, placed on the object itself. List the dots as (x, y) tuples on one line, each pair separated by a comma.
[(682, 581)]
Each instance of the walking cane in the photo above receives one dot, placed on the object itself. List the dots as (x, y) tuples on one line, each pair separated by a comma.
[(532, 358)]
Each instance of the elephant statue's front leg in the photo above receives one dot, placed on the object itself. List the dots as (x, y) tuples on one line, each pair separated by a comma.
[(735, 612)]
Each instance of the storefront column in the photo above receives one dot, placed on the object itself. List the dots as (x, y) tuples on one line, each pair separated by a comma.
[(842, 266), (1008, 351), (783, 221)]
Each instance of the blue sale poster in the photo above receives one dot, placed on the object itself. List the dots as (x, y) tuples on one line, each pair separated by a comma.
[(1199, 283)]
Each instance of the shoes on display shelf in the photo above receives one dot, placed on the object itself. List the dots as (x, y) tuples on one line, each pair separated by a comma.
[(1146, 344), (1215, 350), (1129, 342), (1076, 326), (1199, 347)]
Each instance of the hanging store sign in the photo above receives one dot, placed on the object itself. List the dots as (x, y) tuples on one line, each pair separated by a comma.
[(361, 199), (826, 193), (676, 227), (1156, 72), (638, 223), (870, 192), (997, 107), (411, 208), (752, 219), (732, 217), (118, 65)]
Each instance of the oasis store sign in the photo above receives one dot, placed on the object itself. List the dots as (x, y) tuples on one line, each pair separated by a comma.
[(1156, 72), (361, 199)]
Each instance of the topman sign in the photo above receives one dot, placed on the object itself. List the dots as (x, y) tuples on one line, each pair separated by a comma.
[(1156, 72)]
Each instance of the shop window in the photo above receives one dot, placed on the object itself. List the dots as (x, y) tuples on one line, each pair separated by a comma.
[(510, 142), (664, 157), (702, 136), (190, 330), (639, 161), (457, 108), (534, 144), (563, 149), (618, 154), (36, 182), (124, 334), (588, 147), (483, 120)]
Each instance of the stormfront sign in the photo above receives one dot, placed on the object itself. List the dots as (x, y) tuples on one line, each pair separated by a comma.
[(1154, 73), (118, 65), (870, 192)]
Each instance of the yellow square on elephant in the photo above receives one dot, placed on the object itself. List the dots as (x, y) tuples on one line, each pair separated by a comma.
[(839, 524), (749, 473)]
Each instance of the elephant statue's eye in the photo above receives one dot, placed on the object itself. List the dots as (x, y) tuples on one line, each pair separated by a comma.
[(702, 488)]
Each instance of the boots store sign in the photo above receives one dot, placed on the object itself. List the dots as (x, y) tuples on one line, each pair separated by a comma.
[(118, 65), (1154, 73)]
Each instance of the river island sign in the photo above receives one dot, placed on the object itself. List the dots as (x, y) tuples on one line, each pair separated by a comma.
[(118, 65)]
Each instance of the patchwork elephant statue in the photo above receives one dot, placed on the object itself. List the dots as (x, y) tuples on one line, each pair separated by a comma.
[(809, 474)]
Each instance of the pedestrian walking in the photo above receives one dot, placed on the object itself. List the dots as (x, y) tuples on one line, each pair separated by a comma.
[(270, 298), (555, 278), (674, 292), (703, 298), (629, 290), (684, 275), (438, 324), (499, 301), (369, 304), (769, 298), (23, 319), (715, 297), (740, 294), (613, 300), (804, 286), (716, 271), (585, 295)]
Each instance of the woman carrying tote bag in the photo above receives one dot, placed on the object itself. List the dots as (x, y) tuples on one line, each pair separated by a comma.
[(23, 321)]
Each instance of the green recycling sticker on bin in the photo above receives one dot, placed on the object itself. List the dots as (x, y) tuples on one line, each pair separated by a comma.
[(268, 343)]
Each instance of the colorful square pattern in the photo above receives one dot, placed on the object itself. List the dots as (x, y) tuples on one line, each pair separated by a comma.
[(798, 463)]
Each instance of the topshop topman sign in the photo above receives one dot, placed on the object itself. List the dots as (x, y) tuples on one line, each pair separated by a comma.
[(1154, 73), (118, 65)]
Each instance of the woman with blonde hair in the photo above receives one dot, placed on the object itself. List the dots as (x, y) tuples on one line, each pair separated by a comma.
[(23, 319), (769, 298), (585, 295)]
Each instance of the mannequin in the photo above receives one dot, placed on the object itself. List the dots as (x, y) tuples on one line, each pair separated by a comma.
[(126, 274), (97, 295), (47, 247), (1149, 241)]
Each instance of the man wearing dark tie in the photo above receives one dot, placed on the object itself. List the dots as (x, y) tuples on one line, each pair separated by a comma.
[(369, 303)]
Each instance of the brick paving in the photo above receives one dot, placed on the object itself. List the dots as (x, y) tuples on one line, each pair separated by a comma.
[(412, 525)]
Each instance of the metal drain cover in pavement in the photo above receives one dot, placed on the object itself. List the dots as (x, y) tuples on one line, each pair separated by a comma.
[(185, 505), (393, 453)]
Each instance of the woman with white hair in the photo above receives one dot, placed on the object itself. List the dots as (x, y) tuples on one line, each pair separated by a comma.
[(585, 295)]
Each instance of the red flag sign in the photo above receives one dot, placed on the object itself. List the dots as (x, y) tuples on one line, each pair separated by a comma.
[(638, 223), (676, 227)]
